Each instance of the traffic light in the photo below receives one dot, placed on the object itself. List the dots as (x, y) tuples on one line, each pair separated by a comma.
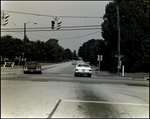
[(59, 25), (53, 24), (5, 19)]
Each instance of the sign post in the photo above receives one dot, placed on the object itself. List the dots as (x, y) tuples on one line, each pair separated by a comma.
[(123, 70), (99, 58), (119, 62)]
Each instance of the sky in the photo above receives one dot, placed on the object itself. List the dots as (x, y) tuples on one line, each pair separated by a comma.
[(71, 13)]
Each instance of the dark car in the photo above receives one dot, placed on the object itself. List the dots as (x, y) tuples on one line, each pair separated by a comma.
[(32, 67)]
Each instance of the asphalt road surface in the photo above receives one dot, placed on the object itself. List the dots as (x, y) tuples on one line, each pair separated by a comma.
[(56, 93)]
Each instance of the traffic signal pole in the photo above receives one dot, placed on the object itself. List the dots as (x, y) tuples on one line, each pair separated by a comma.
[(118, 26), (24, 41)]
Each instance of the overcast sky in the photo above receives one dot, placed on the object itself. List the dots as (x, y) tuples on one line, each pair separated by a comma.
[(71, 39)]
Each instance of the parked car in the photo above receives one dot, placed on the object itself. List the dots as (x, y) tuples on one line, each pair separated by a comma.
[(83, 69), (8, 64), (32, 67)]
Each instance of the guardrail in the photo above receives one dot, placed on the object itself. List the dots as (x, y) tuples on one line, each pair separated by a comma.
[(9, 64)]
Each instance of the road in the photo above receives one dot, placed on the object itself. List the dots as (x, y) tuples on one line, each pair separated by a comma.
[(57, 93)]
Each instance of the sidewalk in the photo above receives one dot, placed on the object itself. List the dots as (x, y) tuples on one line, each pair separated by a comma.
[(133, 76), (96, 72), (136, 76)]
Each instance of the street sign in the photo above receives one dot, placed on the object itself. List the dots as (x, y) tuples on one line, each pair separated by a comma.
[(119, 55), (119, 67), (99, 57)]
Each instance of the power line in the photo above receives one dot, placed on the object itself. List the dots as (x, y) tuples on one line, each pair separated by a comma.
[(62, 29), (80, 36), (51, 15), (40, 35), (69, 37), (28, 13), (49, 27), (87, 27), (30, 37), (50, 30), (64, 38)]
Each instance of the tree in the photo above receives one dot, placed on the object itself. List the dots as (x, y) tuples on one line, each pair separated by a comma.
[(74, 55), (54, 50), (67, 54), (33, 50), (91, 49), (134, 27), (10, 47)]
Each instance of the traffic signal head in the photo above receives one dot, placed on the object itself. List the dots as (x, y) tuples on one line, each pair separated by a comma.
[(6, 16), (59, 25), (53, 24), (5, 19)]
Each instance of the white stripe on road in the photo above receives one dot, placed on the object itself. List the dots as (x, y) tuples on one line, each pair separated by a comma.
[(117, 103)]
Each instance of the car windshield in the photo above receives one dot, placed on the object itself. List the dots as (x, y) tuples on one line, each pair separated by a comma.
[(83, 65)]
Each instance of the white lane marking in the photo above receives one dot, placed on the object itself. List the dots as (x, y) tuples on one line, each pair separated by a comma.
[(117, 103)]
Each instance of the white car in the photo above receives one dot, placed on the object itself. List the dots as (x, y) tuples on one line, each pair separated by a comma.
[(83, 69)]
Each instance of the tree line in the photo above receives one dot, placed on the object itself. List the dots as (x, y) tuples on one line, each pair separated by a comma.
[(49, 51), (134, 37)]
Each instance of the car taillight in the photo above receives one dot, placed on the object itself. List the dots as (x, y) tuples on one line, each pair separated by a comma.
[(38, 68)]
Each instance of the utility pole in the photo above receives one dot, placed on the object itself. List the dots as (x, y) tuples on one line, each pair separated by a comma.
[(118, 26), (24, 41), (86, 52)]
